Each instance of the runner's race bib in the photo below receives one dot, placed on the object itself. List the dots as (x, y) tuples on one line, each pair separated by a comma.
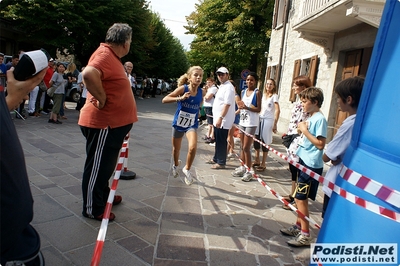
[(185, 119), (244, 116)]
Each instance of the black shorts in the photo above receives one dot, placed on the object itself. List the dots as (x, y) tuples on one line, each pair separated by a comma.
[(307, 186)]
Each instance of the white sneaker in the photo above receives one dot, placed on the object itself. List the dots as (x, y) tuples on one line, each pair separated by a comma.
[(174, 169), (188, 176), (247, 177), (291, 231), (240, 171), (231, 155), (300, 241)]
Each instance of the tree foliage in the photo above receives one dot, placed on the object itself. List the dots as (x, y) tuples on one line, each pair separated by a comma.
[(77, 27), (234, 33)]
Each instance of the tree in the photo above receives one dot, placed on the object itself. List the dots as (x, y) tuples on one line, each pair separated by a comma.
[(234, 33)]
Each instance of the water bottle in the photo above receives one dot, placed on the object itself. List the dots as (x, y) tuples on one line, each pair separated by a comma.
[(31, 63)]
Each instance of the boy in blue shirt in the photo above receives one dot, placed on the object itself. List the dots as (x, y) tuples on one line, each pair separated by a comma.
[(310, 151)]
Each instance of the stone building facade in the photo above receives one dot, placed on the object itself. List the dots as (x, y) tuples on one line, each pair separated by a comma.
[(328, 40)]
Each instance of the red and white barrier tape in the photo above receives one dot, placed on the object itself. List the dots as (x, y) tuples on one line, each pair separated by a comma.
[(273, 192), (104, 223), (385, 212), (373, 187)]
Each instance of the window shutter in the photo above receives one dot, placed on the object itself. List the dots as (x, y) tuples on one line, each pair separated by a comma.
[(276, 8), (313, 69), (268, 73), (296, 73)]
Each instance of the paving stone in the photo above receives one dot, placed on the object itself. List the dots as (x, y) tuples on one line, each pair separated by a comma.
[(176, 204), (143, 228), (217, 219), (47, 210), (268, 260), (182, 224), (226, 238), (223, 257), (181, 248)]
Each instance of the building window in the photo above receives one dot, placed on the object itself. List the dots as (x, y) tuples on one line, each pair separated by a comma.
[(273, 73), (307, 67), (279, 13)]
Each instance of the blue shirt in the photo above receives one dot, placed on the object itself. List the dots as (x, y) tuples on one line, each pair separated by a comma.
[(311, 155), (186, 115)]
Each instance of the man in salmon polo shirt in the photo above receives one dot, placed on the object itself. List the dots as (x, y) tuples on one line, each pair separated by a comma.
[(106, 118)]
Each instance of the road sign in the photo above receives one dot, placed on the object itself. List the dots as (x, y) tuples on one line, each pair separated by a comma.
[(244, 73)]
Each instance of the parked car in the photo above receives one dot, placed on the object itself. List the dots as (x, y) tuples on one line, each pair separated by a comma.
[(74, 93)]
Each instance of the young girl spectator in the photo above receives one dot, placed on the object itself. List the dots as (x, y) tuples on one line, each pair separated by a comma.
[(269, 116), (250, 106), (188, 97), (59, 80)]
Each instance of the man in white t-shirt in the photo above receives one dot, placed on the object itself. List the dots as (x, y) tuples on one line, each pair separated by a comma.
[(224, 115), (207, 105)]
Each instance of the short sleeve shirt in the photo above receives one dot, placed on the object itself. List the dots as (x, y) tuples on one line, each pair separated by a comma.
[(120, 108), (311, 155), (337, 148)]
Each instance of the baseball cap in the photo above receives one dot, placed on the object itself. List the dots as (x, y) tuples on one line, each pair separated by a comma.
[(51, 60), (223, 70)]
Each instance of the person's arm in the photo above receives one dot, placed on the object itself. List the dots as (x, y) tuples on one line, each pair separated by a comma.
[(176, 96), (222, 115), (17, 91), (276, 117), (209, 94), (92, 79), (318, 142)]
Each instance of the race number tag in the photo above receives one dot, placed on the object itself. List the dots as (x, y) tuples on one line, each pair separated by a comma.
[(244, 116), (185, 119)]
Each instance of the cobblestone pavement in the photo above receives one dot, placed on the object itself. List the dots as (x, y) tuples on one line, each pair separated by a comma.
[(219, 220)]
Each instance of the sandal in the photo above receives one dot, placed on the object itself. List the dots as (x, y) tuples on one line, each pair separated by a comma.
[(218, 166), (260, 168), (210, 161), (255, 164)]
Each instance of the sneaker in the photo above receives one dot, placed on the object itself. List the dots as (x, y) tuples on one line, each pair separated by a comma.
[(117, 200), (247, 177), (188, 177), (300, 241), (174, 169), (212, 144), (44, 112), (210, 140), (140, 98), (291, 231), (231, 155), (205, 137), (239, 172)]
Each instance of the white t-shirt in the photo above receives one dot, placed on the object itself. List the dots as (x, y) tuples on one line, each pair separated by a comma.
[(213, 90), (337, 148), (224, 96), (268, 107)]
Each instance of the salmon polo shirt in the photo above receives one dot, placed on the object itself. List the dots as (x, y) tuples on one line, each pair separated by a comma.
[(120, 108)]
